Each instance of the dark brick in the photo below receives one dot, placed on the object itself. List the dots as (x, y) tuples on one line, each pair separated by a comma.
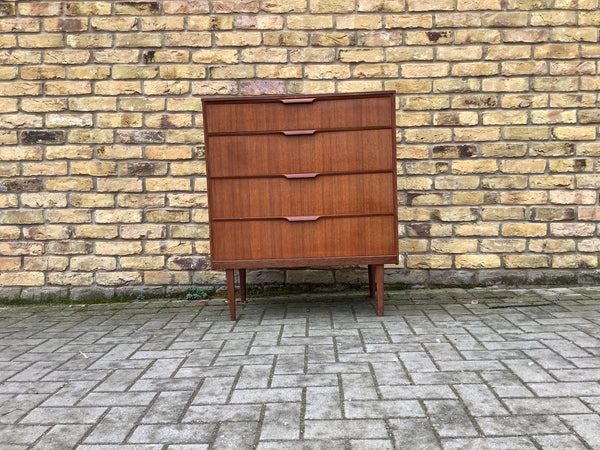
[(43, 137), (137, 7), (140, 136), (551, 214), (21, 185), (7, 9), (454, 151)]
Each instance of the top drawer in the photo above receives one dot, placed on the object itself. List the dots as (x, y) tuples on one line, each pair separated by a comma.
[(237, 115)]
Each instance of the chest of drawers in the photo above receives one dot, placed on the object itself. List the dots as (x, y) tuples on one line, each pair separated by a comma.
[(302, 180)]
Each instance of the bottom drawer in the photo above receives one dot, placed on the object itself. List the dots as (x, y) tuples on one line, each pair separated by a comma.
[(319, 238)]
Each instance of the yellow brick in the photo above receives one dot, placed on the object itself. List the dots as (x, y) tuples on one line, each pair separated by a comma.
[(214, 56), (526, 261), (125, 72), (93, 104), (167, 184), (20, 89), (477, 229), (528, 133), (171, 247), (331, 6), (309, 22), (189, 231), (524, 229), (90, 136), (119, 120), (474, 134), (166, 87), (553, 116), (428, 37), (454, 245), (84, 8), (47, 169), (116, 56), (206, 23), (524, 198), (95, 231), (477, 261), (89, 41), (118, 278), (119, 185), (22, 278), (137, 40), (118, 216), (236, 39), (478, 166), (195, 39), (68, 216), (169, 153), (69, 152), (284, 6), (504, 182), (476, 36), (505, 84), (178, 72), (92, 200), (115, 248), (575, 133), (69, 120), (502, 150), (168, 215), (113, 23), (41, 41), (574, 261), (456, 118), (46, 232), (67, 184), (142, 262), (92, 263), (551, 245), (503, 213), (42, 73), (166, 277), (429, 261), (424, 70), (118, 88)]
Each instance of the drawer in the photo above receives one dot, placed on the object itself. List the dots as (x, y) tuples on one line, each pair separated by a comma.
[(311, 195), (321, 238), (238, 115), (271, 154)]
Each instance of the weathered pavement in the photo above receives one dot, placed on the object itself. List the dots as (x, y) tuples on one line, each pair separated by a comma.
[(451, 368)]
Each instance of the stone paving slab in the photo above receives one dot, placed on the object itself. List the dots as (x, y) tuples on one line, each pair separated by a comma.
[(448, 368)]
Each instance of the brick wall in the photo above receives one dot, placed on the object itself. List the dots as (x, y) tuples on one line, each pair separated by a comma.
[(102, 187)]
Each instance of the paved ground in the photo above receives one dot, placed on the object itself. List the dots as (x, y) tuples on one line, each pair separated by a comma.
[(456, 369)]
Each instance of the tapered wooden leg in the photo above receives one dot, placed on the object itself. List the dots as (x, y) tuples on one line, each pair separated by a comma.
[(230, 277), (371, 281), (242, 273), (379, 282)]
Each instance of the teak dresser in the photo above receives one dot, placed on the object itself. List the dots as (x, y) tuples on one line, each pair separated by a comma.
[(301, 181)]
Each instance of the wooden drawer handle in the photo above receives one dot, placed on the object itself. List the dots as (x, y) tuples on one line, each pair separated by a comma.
[(302, 218), (290, 101), (299, 132), (293, 176)]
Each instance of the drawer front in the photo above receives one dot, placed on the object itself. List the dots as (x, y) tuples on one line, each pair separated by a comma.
[(274, 115), (273, 154), (344, 194), (322, 238)]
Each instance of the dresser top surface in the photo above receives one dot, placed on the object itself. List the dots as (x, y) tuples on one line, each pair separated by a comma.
[(277, 98)]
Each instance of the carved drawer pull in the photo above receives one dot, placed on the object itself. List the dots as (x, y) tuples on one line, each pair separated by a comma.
[(299, 132), (292, 176), (302, 218), (289, 101)]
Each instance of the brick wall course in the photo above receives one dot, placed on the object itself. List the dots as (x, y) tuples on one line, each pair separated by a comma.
[(102, 187)]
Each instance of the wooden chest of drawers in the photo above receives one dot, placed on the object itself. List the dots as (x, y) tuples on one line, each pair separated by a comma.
[(302, 180)]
